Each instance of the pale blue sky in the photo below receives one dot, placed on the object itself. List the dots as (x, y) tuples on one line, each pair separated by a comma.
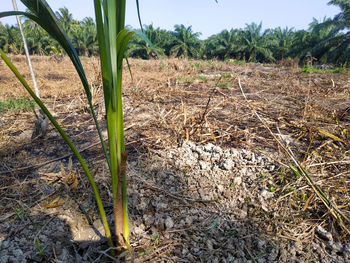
[(206, 16)]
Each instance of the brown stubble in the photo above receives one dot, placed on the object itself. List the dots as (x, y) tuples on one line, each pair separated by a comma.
[(118, 206), (167, 103)]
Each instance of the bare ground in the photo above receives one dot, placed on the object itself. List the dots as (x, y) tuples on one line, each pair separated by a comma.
[(207, 181)]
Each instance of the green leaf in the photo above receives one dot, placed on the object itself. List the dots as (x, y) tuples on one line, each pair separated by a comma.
[(122, 41), (138, 14), (42, 14), (145, 38)]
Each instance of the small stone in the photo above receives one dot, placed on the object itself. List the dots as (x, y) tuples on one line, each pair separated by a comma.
[(209, 244), (261, 244), (220, 188), (5, 244), (181, 223), (191, 145), (18, 253), (230, 258), (138, 230), (218, 149), (169, 223), (336, 246), (234, 153), (4, 259), (142, 205), (346, 248), (64, 256), (184, 251), (323, 233), (209, 147), (271, 167), (148, 220), (253, 158), (237, 181), (189, 220), (266, 193), (203, 165), (215, 157), (161, 206), (227, 164)]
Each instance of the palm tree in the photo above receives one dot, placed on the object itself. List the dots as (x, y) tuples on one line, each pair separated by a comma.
[(320, 35), (334, 46), (283, 38), (38, 40), (342, 20), (65, 18), (3, 38), (140, 49), (84, 37), (186, 42), (225, 45), (11, 39), (256, 44)]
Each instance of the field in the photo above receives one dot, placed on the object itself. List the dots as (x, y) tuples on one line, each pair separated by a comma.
[(207, 180)]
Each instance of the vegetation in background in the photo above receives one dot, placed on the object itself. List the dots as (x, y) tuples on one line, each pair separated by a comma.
[(328, 40)]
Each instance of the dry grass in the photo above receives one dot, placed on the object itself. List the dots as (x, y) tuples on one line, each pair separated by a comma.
[(175, 100)]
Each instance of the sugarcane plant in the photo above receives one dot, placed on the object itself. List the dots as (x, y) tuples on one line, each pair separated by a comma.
[(113, 38)]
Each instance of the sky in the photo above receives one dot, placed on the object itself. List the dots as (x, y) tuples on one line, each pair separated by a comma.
[(206, 16)]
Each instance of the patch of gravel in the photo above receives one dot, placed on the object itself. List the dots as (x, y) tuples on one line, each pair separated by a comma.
[(30, 241), (211, 207), (189, 204)]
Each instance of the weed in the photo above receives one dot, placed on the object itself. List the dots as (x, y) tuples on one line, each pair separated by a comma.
[(202, 77), (272, 188), (304, 197), (196, 66), (261, 255), (16, 105), (263, 174), (226, 75), (184, 173), (213, 226), (288, 190), (231, 233), (307, 69), (282, 176), (155, 239), (224, 85), (189, 80), (237, 62), (40, 250), (20, 214)]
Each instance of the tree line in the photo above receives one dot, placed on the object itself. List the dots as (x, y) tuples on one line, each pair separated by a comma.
[(327, 41)]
